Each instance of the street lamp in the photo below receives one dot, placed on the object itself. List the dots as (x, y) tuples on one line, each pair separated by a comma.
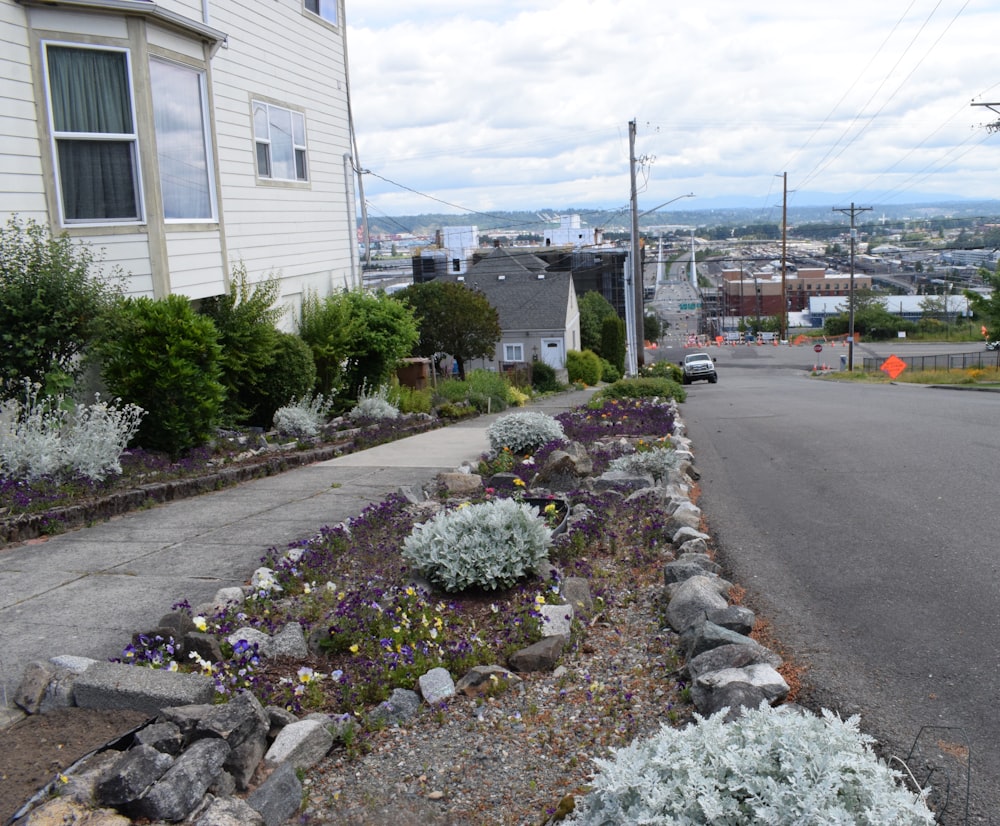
[(633, 275)]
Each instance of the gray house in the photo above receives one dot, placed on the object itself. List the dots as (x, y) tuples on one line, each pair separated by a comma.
[(539, 315)]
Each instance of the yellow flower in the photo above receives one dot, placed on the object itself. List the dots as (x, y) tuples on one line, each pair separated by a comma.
[(354, 648), (539, 600), (519, 482), (410, 591)]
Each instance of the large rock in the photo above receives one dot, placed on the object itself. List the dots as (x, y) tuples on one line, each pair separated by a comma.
[(279, 797), (734, 617), (623, 481), (176, 794), (576, 591), (692, 600), (731, 655), (707, 635), (230, 811), (735, 696), (542, 656), (302, 745), (117, 686), (131, 775), (289, 642), (436, 685), (461, 484), (401, 706), (481, 679), (557, 620)]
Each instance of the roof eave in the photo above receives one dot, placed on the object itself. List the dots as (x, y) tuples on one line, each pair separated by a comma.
[(143, 8)]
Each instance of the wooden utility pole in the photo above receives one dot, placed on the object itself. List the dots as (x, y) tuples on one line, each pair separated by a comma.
[(852, 211), (783, 327), (634, 274)]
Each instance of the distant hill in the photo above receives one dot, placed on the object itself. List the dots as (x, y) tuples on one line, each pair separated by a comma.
[(617, 220)]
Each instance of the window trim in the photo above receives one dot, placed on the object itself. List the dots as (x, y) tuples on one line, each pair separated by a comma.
[(318, 14), (296, 148), (512, 348), (131, 138)]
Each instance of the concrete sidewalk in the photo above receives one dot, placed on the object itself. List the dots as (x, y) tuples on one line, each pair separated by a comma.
[(86, 592)]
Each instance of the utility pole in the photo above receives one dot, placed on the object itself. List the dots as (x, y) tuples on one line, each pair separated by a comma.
[(783, 327), (634, 273), (852, 211), (995, 126)]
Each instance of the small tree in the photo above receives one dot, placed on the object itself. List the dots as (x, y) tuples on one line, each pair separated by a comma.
[(245, 318), (653, 327), (453, 319), (988, 309), (164, 357), (357, 339), (613, 342), (50, 303), (594, 308)]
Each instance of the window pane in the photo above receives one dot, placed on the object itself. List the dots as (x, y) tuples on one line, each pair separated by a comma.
[(300, 164), (327, 9), (181, 149), (260, 121), (89, 90), (89, 95), (282, 154), (263, 160), (298, 128), (98, 180)]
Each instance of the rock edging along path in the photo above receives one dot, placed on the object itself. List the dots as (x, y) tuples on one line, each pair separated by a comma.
[(196, 760)]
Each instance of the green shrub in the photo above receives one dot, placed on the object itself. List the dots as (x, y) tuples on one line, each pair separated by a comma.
[(357, 338), (609, 373), (583, 366), (662, 370), (51, 303), (453, 391), (640, 388), (488, 391), (411, 400), (490, 545), (523, 432), (290, 375), (165, 358), (543, 377), (245, 318), (770, 766)]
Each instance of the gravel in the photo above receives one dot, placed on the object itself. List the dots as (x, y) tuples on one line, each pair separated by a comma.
[(514, 757)]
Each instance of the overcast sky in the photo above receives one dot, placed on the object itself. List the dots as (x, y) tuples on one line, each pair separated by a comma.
[(525, 104)]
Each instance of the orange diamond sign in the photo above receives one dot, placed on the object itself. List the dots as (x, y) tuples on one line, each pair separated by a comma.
[(893, 366)]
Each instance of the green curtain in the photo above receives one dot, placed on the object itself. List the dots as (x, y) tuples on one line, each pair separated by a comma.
[(89, 91)]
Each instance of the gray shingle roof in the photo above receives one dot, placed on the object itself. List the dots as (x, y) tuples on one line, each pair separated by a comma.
[(525, 296)]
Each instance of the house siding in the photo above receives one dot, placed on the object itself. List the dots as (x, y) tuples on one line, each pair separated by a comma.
[(303, 232), (22, 190)]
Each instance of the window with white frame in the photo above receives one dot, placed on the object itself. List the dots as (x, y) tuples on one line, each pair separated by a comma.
[(92, 122), (280, 137), (180, 117), (513, 352), (327, 9)]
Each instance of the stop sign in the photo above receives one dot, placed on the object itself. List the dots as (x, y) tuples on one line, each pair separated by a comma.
[(818, 348)]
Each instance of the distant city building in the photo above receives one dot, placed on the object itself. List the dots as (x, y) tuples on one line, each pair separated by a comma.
[(571, 233), (759, 293)]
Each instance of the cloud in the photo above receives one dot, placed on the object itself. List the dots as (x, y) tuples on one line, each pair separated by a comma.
[(514, 105)]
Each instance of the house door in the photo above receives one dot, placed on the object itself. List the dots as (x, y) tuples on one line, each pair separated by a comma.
[(554, 352)]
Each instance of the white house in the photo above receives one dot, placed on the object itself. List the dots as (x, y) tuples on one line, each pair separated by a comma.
[(184, 136)]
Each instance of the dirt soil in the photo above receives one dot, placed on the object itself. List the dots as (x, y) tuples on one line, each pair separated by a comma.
[(36, 749)]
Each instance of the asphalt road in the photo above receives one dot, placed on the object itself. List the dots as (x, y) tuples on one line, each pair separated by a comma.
[(863, 521)]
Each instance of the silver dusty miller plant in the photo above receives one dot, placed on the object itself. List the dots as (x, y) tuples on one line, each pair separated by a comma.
[(524, 432), (374, 405), (656, 462), (489, 545), (777, 767), (52, 437), (303, 417)]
